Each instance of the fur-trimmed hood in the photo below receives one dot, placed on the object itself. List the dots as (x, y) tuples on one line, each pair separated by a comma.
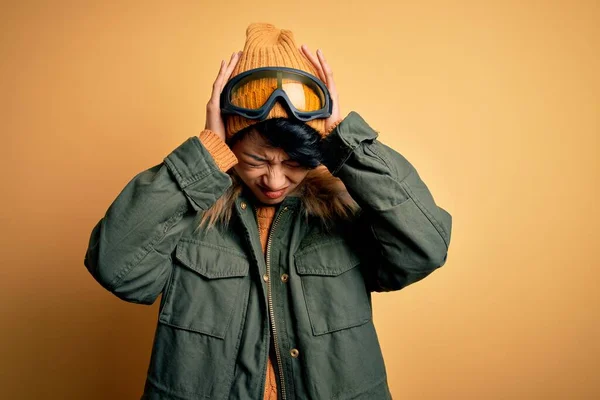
[(322, 195)]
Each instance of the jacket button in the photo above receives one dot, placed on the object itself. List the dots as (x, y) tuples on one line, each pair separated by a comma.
[(284, 278), (243, 205), (266, 278), (294, 353)]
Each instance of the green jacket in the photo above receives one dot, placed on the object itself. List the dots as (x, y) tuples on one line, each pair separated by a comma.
[(213, 332)]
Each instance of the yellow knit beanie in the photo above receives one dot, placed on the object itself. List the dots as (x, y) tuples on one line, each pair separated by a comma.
[(268, 46)]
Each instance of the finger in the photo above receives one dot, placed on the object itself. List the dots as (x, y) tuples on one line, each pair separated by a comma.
[(224, 68), (220, 81), (326, 69), (219, 73), (314, 61), (215, 87), (232, 63), (329, 81), (222, 78), (224, 74)]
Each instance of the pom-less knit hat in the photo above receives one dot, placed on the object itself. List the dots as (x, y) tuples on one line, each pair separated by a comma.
[(268, 46)]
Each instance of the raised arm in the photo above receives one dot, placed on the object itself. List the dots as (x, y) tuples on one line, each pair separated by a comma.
[(407, 233), (129, 252)]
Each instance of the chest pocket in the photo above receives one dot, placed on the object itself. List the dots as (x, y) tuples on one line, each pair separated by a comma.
[(333, 286), (204, 288)]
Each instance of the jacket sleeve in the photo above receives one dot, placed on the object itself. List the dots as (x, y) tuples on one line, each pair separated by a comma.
[(129, 251), (407, 233)]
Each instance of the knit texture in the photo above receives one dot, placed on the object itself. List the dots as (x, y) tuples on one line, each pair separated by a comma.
[(268, 46), (332, 127), (264, 217), (218, 149)]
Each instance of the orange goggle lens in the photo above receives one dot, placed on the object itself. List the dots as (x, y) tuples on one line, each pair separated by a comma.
[(254, 92)]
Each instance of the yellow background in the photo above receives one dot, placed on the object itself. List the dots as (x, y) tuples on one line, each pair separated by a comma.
[(495, 103)]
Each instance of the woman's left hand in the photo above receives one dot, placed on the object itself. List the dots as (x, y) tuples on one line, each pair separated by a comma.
[(326, 75)]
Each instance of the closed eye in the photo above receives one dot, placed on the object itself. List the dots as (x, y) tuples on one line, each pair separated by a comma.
[(256, 158), (292, 164)]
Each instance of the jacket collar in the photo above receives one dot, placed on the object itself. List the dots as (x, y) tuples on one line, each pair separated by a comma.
[(320, 195)]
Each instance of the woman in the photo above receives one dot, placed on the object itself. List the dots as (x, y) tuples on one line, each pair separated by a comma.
[(265, 260)]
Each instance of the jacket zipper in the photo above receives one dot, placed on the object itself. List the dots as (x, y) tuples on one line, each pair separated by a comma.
[(270, 300)]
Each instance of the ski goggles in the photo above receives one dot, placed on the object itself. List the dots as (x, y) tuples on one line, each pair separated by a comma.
[(253, 93)]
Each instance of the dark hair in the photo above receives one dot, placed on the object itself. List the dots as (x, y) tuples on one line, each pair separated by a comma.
[(300, 141)]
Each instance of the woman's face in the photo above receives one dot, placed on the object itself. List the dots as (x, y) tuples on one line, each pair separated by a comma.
[(267, 171)]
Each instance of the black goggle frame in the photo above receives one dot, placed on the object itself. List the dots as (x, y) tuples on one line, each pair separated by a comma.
[(280, 73)]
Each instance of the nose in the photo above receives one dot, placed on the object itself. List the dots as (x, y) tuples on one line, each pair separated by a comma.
[(274, 179)]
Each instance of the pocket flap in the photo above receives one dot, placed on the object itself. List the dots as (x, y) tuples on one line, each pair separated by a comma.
[(211, 261), (328, 259)]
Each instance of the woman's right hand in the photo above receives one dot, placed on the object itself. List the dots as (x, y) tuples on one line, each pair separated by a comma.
[(214, 119)]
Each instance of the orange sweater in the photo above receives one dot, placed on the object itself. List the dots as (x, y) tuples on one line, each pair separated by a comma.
[(265, 215)]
